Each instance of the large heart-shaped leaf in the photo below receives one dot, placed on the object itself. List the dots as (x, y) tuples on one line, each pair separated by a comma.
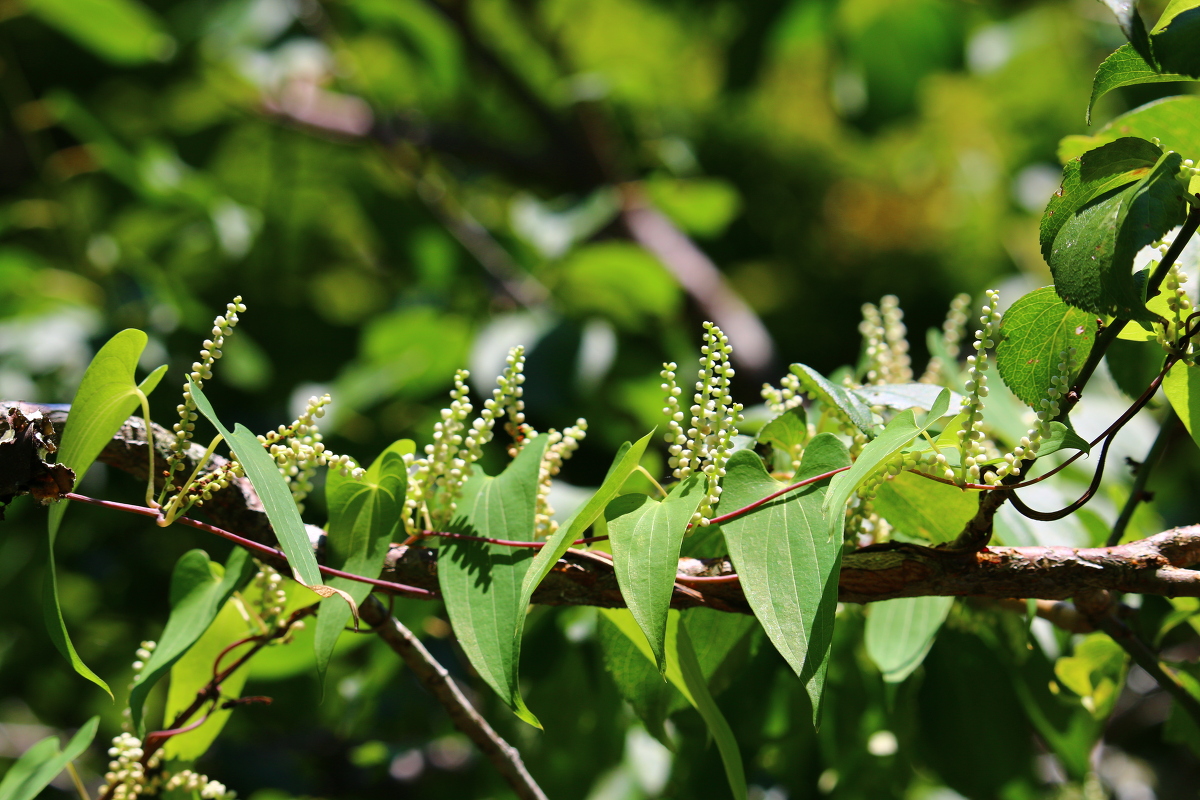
[(481, 582), (364, 518), (645, 536), (198, 592), (105, 398), (786, 561), (1034, 331)]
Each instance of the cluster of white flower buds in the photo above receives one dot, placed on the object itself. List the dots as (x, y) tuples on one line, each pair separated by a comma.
[(705, 445), (298, 451), (885, 340), (560, 447), (189, 781), (125, 773), (953, 330), (273, 595), (1180, 306), (1190, 169), (506, 401), (201, 371), (971, 448), (439, 475), (787, 396), (1048, 410), (143, 655)]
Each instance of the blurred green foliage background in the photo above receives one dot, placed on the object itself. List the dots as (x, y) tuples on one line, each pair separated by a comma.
[(398, 188)]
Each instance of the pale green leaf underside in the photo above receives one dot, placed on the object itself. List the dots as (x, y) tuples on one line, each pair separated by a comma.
[(787, 562), (645, 536), (925, 509), (900, 632)]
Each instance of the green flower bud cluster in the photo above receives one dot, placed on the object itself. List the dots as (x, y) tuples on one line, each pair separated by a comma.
[(953, 330), (201, 371), (188, 781), (1190, 169), (704, 446), (125, 771), (562, 446), (788, 396), (971, 447), (506, 401), (1048, 410), (1180, 306)]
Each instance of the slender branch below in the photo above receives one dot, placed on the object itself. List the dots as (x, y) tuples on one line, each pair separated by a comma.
[(503, 756)]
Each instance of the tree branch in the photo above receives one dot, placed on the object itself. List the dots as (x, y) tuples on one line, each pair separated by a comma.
[(437, 680)]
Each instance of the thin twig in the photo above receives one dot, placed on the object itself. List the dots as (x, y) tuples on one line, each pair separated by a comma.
[(1145, 658), (1137, 492), (503, 756)]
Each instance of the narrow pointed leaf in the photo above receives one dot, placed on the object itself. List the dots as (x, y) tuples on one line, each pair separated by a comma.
[(481, 582), (900, 632), (198, 592), (685, 674), (908, 395), (272, 490), (105, 398), (43, 762), (364, 518), (1126, 67), (787, 562), (645, 536), (833, 396), (626, 461)]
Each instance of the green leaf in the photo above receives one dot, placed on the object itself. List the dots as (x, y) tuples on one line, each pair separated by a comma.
[(1095, 672), (626, 461), (122, 32), (645, 536), (787, 432), (1182, 388), (1125, 67), (481, 582), (786, 560), (900, 632), (898, 434), (1131, 24), (685, 674), (364, 518), (106, 397), (1062, 437), (42, 763), (194, 670), (1109, 166), (925, 509), (700, 206), (1034, 331), (199, 590), (901, 396), (1092, 255), (832, 396), (272, 490), (1171, 120), (1176, 38)]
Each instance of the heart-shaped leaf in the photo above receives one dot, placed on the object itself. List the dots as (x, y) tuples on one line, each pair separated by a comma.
[(900, 632), (786, 561), (1034, 331), (645, 536)]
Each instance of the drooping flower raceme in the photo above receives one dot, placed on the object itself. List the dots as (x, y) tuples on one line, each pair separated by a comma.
[(1048, 410)]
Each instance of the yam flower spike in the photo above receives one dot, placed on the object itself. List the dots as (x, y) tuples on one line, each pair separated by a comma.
[(704, 446)]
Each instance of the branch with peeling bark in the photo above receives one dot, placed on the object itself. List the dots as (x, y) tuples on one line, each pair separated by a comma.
[(1157, 565)]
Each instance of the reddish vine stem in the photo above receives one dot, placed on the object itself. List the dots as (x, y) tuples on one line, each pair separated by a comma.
[(210, 692), (249, 544)]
